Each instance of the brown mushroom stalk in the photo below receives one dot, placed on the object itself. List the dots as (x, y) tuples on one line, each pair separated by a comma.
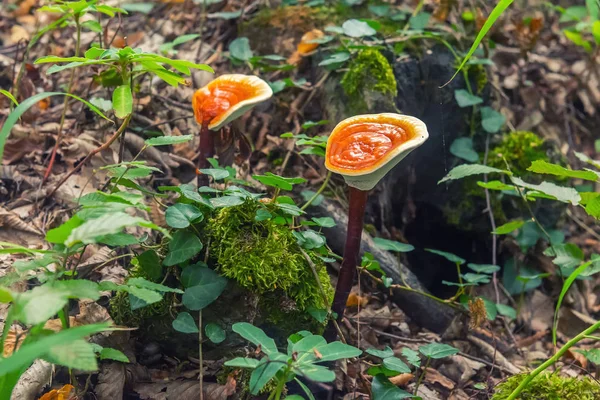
[(363, 149)]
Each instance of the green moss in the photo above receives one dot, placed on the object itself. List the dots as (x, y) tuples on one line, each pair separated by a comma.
[(550, 387), (519, 148), (264, 257), (368, 72)]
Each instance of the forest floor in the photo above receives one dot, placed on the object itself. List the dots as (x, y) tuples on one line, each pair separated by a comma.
[(538, 80)]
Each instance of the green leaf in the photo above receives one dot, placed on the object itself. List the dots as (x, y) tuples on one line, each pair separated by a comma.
[(92, 25), (181, 215), (316, 373), (543, 167), (491, 120), (324, 222), (412, 356), (113, 354), (185, 323), (593, 207), (355, 28), (240, 362), (239, 48), (143, 8), (566, 286), (27, 265), (14, 116), (396, 364), (437, 350), (192, 274), (476, 279), (506, 310), (385, 353), (146, 284), (317, 313), (463, 148), (392, 245), (226, 201), (149, 263), (226, 14), (383, 389), (279, 182), (448, 256), (489, 22), (496, 185), (337, 350), (266, 370), (10, 96), (168, 140), (419, 22), (183, 246), (78, 354), (256, 336), (209, 287), (107, 224), (118, 239), (484, 268), (216, 173), (596, 32), (336, 59), (470, 169), (560, 193), (509, 227), (466, 99), (122, 101), (214, 333), (308, 343), (578, 39), (593, 355), (567, 255), (39, 304), (42, 346)]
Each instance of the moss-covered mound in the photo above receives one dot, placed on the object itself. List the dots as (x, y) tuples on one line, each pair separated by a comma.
[(370, 72), (550, 387), (520, 149), (264, 257)]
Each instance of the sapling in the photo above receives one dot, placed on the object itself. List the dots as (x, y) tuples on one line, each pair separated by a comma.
[(363, 149), (220, 102)]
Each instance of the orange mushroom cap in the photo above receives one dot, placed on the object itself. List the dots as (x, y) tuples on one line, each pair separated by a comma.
[(227, 98), (364, 148)]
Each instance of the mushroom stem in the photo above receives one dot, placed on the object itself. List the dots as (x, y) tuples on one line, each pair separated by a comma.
[(206, 149), (356, 213)]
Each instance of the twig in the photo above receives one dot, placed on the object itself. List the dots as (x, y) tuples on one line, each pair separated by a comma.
[(97, 150)]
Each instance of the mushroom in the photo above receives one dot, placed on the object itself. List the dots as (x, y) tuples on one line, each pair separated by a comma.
[(220, 102), (363, 149)]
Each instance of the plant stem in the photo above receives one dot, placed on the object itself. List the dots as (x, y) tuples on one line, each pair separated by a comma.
[(422, 375), (206, 149), (65, 105), (323, 186), (356, 213), (279, 389), (200, 360), (525, 382)]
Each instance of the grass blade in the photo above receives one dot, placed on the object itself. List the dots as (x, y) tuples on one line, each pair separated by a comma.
[(568, 282), (14, 116), (496, 13)]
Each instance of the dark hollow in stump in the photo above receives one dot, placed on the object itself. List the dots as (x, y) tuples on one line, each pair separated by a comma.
[(424, 311)]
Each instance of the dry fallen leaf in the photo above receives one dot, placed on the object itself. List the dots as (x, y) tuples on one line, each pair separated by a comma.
[(354, 300), (402, 379), (64, 393)]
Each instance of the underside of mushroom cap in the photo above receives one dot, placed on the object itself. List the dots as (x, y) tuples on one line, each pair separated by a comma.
[(364, 148), (227, 98)]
